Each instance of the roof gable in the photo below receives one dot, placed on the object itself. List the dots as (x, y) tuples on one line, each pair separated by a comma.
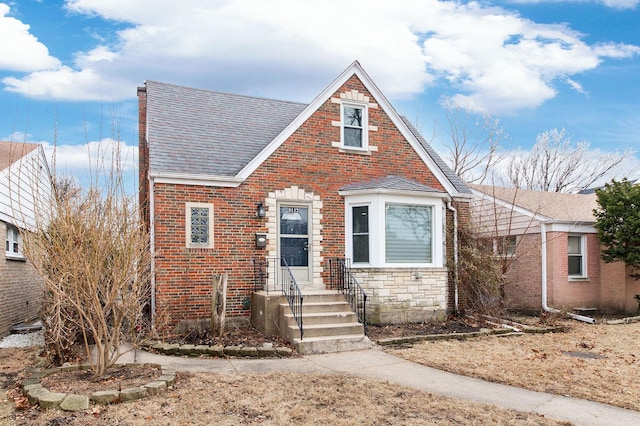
[(550, 206), (10, 152), (184, 140)]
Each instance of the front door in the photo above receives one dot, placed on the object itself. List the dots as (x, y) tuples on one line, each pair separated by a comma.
[(294, 230)]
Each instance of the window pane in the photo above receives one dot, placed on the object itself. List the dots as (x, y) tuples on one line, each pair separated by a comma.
[(295, 251), (293, 220), (352, 137), (408, 234), (199, 225), (352, 116), (360, 218), (575, 246), (575, 265)]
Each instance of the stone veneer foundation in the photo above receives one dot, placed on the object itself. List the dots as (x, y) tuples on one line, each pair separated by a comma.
[(404, 295)]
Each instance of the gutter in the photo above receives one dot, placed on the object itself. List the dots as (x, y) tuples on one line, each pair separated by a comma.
[(455, 253), (545, 306), (152, 246)]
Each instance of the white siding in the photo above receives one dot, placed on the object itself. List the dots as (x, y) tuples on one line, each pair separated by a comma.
[(25, 188)]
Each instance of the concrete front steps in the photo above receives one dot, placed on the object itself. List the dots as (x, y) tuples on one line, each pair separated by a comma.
[(328, 322)]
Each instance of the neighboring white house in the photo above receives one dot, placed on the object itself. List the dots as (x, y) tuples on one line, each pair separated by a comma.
[(25, 186)]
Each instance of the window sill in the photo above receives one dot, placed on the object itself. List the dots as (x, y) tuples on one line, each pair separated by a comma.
[(15, 257), (577, 278), (359, 151)]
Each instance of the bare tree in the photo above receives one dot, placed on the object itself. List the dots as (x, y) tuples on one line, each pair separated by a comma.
[(473, 151), (556, 164)]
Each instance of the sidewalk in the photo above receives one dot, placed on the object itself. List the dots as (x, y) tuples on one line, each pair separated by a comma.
[(376, 364)]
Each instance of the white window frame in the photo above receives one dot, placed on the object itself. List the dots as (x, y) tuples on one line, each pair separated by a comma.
[(188, 207), (583, 255), (350, 216), (377, 229), (365, 126), (13, 237)]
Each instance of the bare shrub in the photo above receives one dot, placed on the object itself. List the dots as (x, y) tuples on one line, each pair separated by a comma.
[(91, 250), (480, 276)]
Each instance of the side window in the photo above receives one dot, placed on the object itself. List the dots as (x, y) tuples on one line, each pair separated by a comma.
[(360, 234), (354, 122), (13, 243), (199, 225), (575, 250)]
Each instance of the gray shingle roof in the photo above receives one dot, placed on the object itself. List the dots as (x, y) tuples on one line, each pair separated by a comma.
[(391, 182), (455, 180), (200, 132)]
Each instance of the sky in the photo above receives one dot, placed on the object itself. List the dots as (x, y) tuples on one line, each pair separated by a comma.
[(69, 69)]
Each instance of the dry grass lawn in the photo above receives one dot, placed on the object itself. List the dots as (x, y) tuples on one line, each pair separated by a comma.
[(608, 370), (268, 399)]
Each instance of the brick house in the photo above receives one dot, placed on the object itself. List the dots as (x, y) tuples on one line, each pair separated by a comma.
[(553, 251), (24, 175), (271, 192)]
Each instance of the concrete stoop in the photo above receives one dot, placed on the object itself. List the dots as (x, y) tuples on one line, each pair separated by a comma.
[(329, 324)]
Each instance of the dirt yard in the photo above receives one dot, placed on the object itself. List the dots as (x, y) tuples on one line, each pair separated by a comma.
[(596, 362), (252, 399)]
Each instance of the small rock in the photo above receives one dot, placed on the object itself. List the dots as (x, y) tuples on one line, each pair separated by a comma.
[(232, 350), (248, 351), (216, 350), (105, 397), (156, 387), (284, 351), (169, 379), (51, 399), (75, 403), (131, 394)]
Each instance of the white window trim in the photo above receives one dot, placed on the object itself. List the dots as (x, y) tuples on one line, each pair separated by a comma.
[(10, 254), (188, 242), (365, 126), (583, 253), (377, 248)]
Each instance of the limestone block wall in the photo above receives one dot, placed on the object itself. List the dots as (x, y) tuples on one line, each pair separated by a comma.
[(404, 295)]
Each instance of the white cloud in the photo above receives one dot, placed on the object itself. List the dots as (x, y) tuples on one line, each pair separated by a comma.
[(615, 4), (19, 50), (493, 60)]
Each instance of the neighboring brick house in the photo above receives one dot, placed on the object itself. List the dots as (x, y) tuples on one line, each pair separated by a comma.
[(342, 177), (24, 175), (552, 250)]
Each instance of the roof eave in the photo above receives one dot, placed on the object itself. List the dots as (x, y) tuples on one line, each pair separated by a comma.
[(191, 179)]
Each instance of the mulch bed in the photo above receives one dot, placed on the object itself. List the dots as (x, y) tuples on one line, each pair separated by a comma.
[(376, 333), (83, 382)]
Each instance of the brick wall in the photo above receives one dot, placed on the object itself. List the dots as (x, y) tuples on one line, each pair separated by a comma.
[(523, 283), (20, 290), (307, 160)]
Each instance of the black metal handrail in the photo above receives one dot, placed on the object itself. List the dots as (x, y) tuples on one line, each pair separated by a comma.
[(341, 279), (283, 280)]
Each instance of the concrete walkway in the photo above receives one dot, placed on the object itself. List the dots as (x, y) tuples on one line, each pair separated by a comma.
[(376, 364)]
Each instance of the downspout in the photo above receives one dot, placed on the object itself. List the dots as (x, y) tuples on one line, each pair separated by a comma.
[(152, 249), (455, 254), (545, 306)]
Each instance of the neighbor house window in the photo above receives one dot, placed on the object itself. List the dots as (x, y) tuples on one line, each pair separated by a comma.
[(13, 245), (506, 246), (354, 122), (360, 234), (199, 225), (575, 252), (408, 235)]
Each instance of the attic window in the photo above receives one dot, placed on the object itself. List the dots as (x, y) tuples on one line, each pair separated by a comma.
[(354, 126)]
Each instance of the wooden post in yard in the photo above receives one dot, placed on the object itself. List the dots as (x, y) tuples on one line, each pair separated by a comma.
[(218, 304)]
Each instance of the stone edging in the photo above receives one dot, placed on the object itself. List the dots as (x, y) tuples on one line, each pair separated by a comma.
[(219, 350), (32, 388), (462, 336)]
